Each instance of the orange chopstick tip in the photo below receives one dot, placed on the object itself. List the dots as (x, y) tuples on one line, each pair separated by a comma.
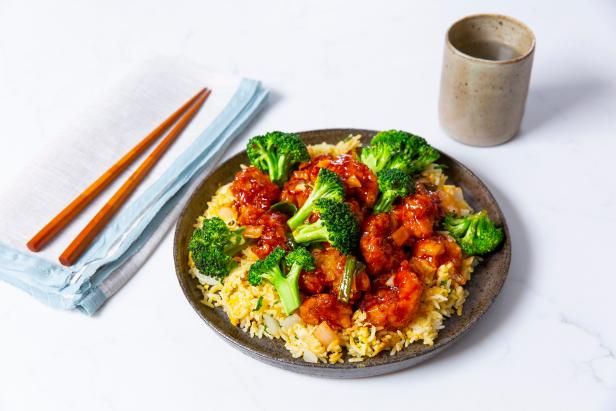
[(65, 261), (32, 246)]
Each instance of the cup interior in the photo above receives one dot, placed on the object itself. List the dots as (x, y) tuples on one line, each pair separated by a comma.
[(491, 37)]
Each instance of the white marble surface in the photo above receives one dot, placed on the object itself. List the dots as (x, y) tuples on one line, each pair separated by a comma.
[(548, 343)]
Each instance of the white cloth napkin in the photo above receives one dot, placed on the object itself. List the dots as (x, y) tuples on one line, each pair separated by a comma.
[(141, 101)]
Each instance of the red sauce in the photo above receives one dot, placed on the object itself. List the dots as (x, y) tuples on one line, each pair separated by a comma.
[(326, 307), (360, 183), (254, 194), (380, 252), (400, 248), (328, 275), (394, 307), (299, 186), (418, 213), (273, 233), (432, 252), (312, 282)]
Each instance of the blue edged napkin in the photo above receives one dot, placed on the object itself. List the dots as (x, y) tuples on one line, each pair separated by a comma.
[(98, 139)]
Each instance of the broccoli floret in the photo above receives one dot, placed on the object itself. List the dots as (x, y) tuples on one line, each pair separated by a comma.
[(270, 269), (336, 225), (425, 155), (415, 157), (327, 185), (476, 234), (398, 149), (299, 259), (395, 137), (385, 145), (276, 153), (213, 245), (376, 156), (393, 184)]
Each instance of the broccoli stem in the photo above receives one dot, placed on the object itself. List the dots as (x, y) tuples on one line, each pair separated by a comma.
[(384, 203), (236, 242), (272, 167), (304, 212), (234, 249), (294, 272), (289, 296), (281, 167), (287, 287), (371, 162), (311, 233)]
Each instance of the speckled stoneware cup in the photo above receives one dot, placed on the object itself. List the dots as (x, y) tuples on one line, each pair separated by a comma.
[(486, 73), (485, 285)]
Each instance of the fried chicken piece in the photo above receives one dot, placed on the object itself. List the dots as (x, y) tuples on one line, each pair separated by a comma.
[(273, 233), (395, 306), (360, 212), (415, 217), (328, 275), (331, 262), (430, 253), (254, 194), (326, 307), (299, 186), (380, 252), (312, 282), (359, 182)]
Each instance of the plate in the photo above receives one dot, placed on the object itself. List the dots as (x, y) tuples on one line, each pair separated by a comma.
[(487, 281)]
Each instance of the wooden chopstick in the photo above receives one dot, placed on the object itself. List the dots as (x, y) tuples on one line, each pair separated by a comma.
[(94, 227), (60, 221)]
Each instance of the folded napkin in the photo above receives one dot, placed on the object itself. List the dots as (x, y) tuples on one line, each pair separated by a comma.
[(98, 139)]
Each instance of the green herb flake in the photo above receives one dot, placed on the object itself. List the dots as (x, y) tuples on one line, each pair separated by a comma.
[(259, 304)]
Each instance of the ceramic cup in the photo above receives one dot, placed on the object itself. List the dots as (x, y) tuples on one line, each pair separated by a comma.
[(484, 83)]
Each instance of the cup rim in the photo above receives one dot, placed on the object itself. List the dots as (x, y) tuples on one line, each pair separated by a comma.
[(521, 57)]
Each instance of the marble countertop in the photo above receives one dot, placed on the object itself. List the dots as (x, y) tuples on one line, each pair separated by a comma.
[(548, 342)]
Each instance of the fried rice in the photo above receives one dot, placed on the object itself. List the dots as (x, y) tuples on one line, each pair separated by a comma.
[(258, 311)]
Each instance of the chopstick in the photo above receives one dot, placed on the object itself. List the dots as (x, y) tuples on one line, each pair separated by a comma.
[(64, 217), (83, 240)]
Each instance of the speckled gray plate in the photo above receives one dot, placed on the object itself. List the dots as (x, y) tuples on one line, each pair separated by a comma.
[(487, 281)]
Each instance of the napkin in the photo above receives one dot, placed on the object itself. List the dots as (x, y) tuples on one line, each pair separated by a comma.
[(98, 138)]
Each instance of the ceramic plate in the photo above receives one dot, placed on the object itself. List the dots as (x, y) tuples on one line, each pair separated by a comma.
[(486, 283)]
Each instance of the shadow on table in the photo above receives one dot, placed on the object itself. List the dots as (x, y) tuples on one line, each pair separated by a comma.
[(548, 102)]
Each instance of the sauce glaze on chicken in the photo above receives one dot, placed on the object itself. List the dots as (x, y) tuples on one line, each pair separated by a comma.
[(400, 249)]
